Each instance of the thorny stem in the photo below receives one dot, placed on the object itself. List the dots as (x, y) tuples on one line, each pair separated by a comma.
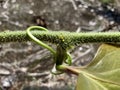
[(61, 37)]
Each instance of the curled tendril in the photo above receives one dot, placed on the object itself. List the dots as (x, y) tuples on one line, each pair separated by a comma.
[(60, 56), (37, 40), (69, 59)]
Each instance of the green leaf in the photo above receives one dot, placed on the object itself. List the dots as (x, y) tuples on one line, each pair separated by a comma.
[(103, 73)]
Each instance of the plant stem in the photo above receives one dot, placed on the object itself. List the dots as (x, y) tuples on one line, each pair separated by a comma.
[(69, 69), (63, 38)]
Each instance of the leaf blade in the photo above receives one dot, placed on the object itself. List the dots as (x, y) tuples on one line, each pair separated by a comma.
[(104, 69)]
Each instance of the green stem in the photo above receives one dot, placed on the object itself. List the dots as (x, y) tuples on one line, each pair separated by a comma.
[(68, 69), (62, 38)]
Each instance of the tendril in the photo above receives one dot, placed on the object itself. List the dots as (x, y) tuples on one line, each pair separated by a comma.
[(60, 55), (37, 40)]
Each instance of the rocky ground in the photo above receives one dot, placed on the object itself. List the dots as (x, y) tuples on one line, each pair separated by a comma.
[(17, 59)]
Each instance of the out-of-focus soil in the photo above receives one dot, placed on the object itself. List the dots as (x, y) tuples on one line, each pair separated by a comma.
[(58, 15)]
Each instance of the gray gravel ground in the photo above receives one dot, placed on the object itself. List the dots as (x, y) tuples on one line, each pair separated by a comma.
[(15, 58)]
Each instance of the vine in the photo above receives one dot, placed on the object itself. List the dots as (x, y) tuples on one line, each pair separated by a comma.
[(54, 37), (63, 40)]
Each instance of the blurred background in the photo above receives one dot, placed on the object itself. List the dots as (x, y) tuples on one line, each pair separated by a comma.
[(26, 66)]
